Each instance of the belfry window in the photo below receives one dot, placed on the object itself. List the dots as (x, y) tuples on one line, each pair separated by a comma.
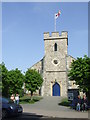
[(55, 47)]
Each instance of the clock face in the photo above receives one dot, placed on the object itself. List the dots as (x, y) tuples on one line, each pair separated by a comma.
[(55, 62)]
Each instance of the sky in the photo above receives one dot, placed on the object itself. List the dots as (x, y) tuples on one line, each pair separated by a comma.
[(89, 29), (23, 25)]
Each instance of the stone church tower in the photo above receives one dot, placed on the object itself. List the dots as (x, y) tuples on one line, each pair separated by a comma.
[(54, 65)]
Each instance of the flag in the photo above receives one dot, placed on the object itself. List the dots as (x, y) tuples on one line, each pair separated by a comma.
[(57, 14)]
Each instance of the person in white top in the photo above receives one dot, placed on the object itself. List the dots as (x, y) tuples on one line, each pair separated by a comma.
[(12, 98), (17, 99)]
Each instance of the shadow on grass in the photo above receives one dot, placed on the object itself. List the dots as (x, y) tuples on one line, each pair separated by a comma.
[(28, 100)]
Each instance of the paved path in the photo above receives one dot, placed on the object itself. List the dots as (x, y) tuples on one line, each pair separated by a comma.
[(48, 106)]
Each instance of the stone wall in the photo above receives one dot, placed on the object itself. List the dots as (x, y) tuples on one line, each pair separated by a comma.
[(49, 80), (59, 55), (55, 72), (69, 61), (38, 66), (71, 84)]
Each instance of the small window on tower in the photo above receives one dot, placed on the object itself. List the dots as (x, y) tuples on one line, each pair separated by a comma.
[(55, 47), (55, 62)]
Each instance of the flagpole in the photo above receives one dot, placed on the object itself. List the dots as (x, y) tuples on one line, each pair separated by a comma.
[(55, 24), (55, 17)]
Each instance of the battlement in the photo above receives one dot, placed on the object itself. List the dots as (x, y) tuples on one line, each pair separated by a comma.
[(56, 35)]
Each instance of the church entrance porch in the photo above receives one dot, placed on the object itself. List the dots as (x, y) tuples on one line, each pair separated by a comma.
[(56, 89)]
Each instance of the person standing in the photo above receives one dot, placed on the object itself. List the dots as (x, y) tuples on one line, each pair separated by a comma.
[(17, 99), (12, 98), (78, 107), (84, 103)]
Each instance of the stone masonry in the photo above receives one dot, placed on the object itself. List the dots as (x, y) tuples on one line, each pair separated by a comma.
[(55, 64)]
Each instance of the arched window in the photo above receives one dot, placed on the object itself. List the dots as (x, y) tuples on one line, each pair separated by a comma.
[(55, 47)]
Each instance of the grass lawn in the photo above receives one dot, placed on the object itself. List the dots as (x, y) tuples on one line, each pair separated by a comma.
[(65, 102), (26, 99)]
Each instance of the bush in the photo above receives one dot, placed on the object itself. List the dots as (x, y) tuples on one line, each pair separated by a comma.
[(65, 102)]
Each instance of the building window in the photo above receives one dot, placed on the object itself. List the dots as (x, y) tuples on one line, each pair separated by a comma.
[(55, 47)]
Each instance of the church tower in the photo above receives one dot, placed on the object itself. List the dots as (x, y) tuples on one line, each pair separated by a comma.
[(55, 62)]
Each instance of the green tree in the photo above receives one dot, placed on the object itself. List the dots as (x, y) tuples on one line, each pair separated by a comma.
[(0, 80), (4, 79), (16, 79), (0, 86), (33, 80), (80, 72)]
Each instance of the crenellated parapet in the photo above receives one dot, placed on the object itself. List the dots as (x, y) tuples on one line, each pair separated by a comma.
[(55, 35)]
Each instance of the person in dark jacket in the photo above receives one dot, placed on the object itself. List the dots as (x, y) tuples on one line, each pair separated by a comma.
[(84, 103), (74, 103), (78, 103)]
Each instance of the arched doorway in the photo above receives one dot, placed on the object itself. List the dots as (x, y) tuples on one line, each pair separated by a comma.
[(56, 89)]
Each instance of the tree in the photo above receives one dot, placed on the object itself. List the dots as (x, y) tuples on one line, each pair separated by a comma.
[(0, 86), (33, 80), (80, 72), (16, 79), (4, 79)]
